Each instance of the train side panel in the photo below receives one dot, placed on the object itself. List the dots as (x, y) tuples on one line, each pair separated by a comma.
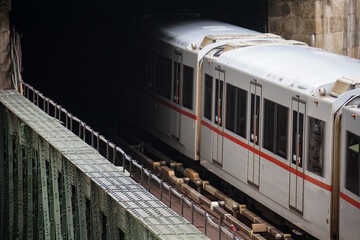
[(349, 225)]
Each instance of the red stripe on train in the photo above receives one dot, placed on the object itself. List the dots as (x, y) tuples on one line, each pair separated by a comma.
[(350, 200), (169, 105), (246, 146), (269, 158)]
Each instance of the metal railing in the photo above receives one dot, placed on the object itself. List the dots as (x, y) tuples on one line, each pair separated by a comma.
[(116, 155)]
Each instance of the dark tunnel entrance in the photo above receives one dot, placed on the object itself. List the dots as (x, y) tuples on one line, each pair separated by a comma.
[(78, 52)]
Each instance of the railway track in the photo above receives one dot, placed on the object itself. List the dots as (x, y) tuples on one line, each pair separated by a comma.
[(233, 218)]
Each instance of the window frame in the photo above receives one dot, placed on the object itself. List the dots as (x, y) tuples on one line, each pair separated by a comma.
[(219, 102), (254, 125), (294, 137), (150, 70), (310, 138), (163, 76), (351, 167), (236, 107), (176, 85), (276, 121), (187, 87), (208, 101)]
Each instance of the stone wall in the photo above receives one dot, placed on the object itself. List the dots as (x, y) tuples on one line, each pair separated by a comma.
[(352, 28), (333, 25), (5, 78)]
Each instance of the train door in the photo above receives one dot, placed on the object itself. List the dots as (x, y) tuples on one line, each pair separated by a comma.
[(254, 149), (175, 112), (217, 147), (296, 191)]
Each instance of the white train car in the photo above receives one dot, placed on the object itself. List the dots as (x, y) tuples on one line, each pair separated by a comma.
[(276, 147), (261, 112), (169, 71)]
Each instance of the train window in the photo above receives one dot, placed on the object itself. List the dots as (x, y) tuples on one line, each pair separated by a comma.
[(176, 84), (208, 96), (163, 76), (236, 101), (282, 131), (352, 182), (150, 63), (218, 101), (269, 129), (241, 113), (230, 107), (315, 146), (188, 81), (276, 128), (254, 125), (297, 140), (158, 74), (141, 73), (167, 78)]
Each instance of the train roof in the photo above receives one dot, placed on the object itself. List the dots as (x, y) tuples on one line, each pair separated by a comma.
[(185, 30), (301, 67)]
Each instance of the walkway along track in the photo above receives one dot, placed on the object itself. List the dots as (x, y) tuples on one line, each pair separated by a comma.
[(177, 187)]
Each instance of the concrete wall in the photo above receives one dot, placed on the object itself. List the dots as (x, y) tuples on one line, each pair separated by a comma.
[(333, 25), (5, 79)]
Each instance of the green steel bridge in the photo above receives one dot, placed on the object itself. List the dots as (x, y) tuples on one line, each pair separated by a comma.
[(56, 185)]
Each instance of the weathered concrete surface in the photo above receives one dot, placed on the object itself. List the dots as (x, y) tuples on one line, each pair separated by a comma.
[(333, 25), (5, 78)]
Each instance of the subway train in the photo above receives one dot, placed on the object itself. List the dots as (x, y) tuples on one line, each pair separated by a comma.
[(277, 119)]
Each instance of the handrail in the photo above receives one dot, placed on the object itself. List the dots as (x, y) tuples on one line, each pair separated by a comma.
[(96, 140)]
